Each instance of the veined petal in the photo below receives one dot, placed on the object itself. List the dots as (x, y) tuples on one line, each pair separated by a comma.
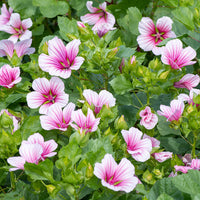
[(15, 20), (26, 35), (48, 148), (41, 85), (72, 49), (22, 46), (146, 42), (18, 163), (7, 46), (90, 7), (164, 24), (67, 112), (91, 97), (56, 48), (56, 85), (78, 61), (36, 138), (146, 26), (35, 99), (13, 38), (91, 19), (27, 23), (106, 98)]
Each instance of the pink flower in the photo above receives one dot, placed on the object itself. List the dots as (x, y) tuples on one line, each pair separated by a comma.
[(102, 20), (188, 81), (149, 120), (61, 59), (152, 35), (140, 149), (18, 28), (173, 54), (133, 59), (195, 164), (154, 141), (46, 94), (84, 123), (189, 99), (15, 121), (81, 24), (9, 76), (117, 177), (47, 147), (32, 151), (5, 15), (56, 118), (162, 156), (98, 100), (172, 112), (21, 48)]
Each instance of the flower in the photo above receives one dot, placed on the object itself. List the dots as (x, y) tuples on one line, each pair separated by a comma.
[(188, 81), (47, 146), (9, 76), (173, 54), (98, 100), (56, 118), (46, 94), (172, 112), (15, 121), (61, 59), (162, 156), (84, 123), (81, 24), (32, 151), (149, 120), (152, 35), (189, 99), (102, 20), (18, 28), (195, 164), (7, 48), (140, 149), (117, 177), (5, 15)]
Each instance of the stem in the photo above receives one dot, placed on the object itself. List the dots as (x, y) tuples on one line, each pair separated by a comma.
[(148, 98), (193, 146), (138, 99), (12, 180), (105, 81)]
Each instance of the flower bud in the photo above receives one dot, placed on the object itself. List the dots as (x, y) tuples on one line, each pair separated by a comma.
[(120, 123), (89, 171)]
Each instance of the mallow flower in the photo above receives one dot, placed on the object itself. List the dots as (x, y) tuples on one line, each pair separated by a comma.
[(188, 81), (61, 59), (33, 150), (149, 119), (9, 76), (139, 148), (172, 112), (117, 177), (151, 35), (18, 28), (102, 20), (8, 47), (84, 124), (98, 100), (174, 55), (47, 93), (56, 118)]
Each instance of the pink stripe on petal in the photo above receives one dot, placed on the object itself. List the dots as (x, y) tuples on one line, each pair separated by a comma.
[(41, 85), (26, 23), (78, 61), (91, 19), (7, 46), (35, 99), (146, 26), (57, 85), (15, 20), (67, 112), (90, 7), (91, 97), (18, 162), (26, 35), (36, 138), (164, 24), (72, 49)]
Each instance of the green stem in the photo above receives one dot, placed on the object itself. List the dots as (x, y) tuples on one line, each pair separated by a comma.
[(148, 98), (12, 180), (105, 81), (193, 146), (138, 99)]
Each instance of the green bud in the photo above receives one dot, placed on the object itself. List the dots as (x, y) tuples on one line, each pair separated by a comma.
[(158, 173), (120, 123), (112, 53), (164, 75), (45, 48), (50, 188), (15, 60), (148, 177), (89, 171), (5, 120)]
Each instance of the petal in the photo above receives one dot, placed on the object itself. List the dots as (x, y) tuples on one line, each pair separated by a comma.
[(15, 20), (56, 86), (48, 148), (26, 35), (164, 24), (78, 61), (90, 7), (146, 42), (35, 99), (67, 112), (79, 118), (7, 46), (36, 138), (13, 38), (91, 19), (41, 85), (57, 49), (106, 98), (91, 97), (72, 49), (22, 46), (146, 26), (18, 162), (27, 23)]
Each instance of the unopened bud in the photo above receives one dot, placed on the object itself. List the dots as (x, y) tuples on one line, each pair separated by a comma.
[(120, 123), (89, 171)]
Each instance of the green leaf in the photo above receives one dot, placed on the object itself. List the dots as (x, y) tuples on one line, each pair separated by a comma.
[(164, 127), (164, 196), (188, 183), (42, 171), (25, 8), (121, 84), (173, 3), (52, 8), (68, 28), (166, 186), (185, 16), (125, 52)]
